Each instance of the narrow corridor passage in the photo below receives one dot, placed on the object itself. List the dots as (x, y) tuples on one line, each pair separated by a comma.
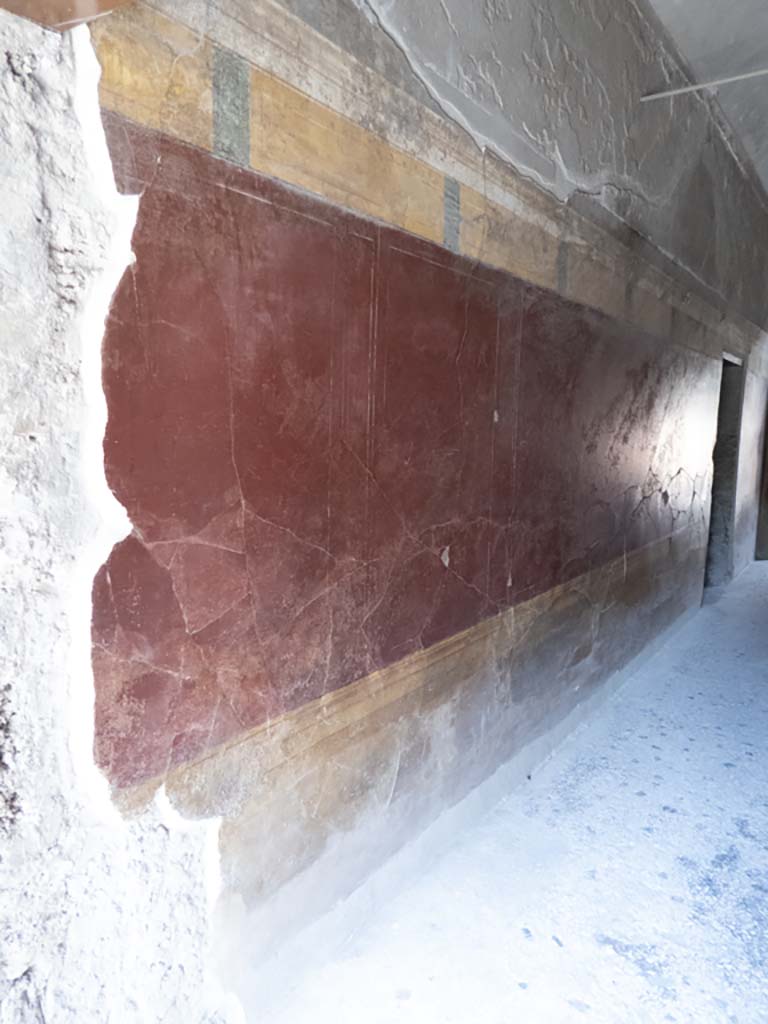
[(628, 880)]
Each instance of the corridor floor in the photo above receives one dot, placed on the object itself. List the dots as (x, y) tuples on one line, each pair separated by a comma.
[(627, 881)]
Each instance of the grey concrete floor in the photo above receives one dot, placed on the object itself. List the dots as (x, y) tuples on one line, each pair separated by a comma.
[(627, 881)]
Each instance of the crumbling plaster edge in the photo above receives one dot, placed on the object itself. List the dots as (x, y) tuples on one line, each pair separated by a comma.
[(112, 518)]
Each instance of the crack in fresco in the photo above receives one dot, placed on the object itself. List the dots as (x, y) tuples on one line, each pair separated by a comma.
[(337, 454)]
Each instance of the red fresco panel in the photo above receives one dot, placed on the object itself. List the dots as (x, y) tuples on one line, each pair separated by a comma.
[(339, 444)]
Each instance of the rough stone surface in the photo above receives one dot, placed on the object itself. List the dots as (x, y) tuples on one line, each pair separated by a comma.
[(101, 920)]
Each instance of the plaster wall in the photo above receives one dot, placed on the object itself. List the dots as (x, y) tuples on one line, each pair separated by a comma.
[(356, 584), (721, 47), (332, 440), (100, 919), (554, 87)]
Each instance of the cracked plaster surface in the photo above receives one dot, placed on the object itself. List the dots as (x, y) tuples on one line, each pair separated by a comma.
[(554, 87), (332, 442)]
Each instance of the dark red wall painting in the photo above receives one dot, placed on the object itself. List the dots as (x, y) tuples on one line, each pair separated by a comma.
[(339, 444)]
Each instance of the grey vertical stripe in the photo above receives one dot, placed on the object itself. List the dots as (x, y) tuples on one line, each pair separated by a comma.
[(231, 107), (452, 214), (562, 268)]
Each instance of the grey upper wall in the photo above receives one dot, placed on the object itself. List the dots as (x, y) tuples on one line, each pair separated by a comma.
[(719, 43), (554, 87)]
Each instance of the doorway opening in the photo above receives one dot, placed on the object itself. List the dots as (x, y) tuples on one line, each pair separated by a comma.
[(725, 462), (761, 549)]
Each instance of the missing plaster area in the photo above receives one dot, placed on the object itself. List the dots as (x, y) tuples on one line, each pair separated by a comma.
[(102, 916)]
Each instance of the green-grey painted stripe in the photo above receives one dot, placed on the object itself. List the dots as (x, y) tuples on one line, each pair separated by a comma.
[(452, 214), (231, 107)]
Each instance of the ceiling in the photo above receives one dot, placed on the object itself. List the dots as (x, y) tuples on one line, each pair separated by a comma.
[(719, 39)]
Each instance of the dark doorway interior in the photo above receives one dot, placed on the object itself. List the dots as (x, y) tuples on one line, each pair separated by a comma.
[(725, 460), (761, 552)]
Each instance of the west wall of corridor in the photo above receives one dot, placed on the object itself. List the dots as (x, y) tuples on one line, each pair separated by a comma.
[(417, 453)]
